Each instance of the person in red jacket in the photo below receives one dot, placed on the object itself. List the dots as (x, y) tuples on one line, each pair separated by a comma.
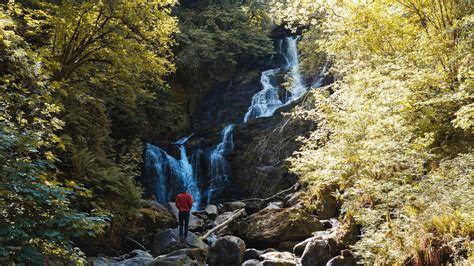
[(184, 203)]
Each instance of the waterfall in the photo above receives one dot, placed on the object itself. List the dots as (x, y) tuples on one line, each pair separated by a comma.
[(266, 101), (219, 169), (320, 81), (156, 158), (172, 173), (206, 172), (297, 89)]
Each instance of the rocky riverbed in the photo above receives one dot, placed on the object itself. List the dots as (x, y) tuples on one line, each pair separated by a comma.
[(273, 231)]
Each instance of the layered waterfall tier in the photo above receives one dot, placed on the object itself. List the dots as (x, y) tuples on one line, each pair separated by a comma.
[(273, 95), (203, 167), (170, 175)]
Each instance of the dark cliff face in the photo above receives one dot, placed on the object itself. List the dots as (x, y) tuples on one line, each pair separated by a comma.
[(257, 164)]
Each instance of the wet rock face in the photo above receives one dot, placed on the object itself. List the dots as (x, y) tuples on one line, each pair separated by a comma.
[(226, 103), (227, 250), (258, 162), (272, 226)]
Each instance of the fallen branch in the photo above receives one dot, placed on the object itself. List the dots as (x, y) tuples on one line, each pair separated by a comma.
[(224, 224), (271, 197), (136, 242)]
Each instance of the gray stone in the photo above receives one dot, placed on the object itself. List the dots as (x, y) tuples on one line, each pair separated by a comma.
[(168, 241), (276, 258), (252, 254), (233, 206), (252, 263), (318, 252), (227, 250), (211, 211), (299, 248)]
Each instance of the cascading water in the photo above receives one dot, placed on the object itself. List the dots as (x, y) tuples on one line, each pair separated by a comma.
[(219, 170), (266, 101), (207, 169), (172, 173), (321, 77)]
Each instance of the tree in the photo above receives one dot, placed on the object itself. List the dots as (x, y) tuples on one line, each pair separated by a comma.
[(395, 136), (37, 217)]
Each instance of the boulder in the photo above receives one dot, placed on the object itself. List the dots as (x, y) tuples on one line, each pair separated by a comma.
[(180, 257), (233, 206), (254, 206), (342, 234), (280, 225), (318, 252), (345, 259), (168, 241), (153, 204), (276, 258), (227, 250), (211, 211), (231, 228), (252, 254), (252, 263), (158, 218), (223, 217), (200, 214), (298, 249)]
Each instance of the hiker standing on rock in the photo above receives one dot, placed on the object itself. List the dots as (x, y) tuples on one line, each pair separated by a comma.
[(184, 202)]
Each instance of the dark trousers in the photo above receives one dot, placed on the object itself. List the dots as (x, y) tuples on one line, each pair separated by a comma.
[(183, 223)]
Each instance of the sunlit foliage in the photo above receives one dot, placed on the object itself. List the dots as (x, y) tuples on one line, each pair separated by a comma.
[(395, 129), (36, 214), (76, 79)]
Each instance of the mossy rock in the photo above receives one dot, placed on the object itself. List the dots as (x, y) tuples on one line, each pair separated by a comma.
[(279, 225), (157, 220)]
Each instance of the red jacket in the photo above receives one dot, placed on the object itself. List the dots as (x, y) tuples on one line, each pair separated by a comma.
[(184, 202)]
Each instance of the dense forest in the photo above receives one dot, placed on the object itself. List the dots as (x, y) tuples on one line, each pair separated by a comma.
[(367, 107)]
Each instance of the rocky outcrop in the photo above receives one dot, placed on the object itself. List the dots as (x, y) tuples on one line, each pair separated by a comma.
[(228, 250), (153, 217), (168, 241), (274, 226), (262, 145)]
